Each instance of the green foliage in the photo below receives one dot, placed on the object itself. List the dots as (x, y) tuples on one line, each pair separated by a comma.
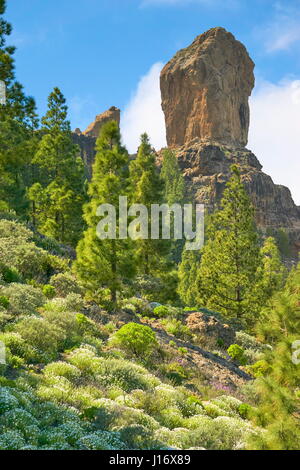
[(282, 241), (64, 284), (49, 291), (182, 351), (139, 340), (161, 311), (227, 274), (21, 255), (273, 273), (176, 328), (259, 369), (174, 193), (8, 275), (175, 372), (146, 189), (57, 195), (187, 274), (4, 301), (237, 353), (173, 179), (278, 401), (245, 410), (23, 299), (18, 137), (104, 263)]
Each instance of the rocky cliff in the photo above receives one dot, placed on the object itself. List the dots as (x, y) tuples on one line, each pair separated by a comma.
[(112, 114), (205, 90)]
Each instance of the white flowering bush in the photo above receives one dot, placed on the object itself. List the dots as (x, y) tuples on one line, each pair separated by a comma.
[(11, 440), (62, 369), (246, 341), (7, 400), (101, 440)]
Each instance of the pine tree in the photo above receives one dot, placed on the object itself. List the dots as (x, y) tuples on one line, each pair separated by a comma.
[(271, 273), (18, 124), (105, 263), (278, 409), (228, 270), (58, 195), (147, 189), (187, 274), (6, 52), (173, 179)]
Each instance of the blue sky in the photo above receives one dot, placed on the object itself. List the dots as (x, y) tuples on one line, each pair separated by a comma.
[(109, 52)]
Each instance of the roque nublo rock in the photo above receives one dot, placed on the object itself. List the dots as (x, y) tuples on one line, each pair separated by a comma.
[(205, 90)]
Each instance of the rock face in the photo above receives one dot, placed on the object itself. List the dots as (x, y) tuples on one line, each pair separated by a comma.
[(87, 149), (112, 114), (87, 139), (207, 169), (205, 90), (208, 325)]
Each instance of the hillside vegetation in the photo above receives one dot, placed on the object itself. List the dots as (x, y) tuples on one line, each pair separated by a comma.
[(133, 343)]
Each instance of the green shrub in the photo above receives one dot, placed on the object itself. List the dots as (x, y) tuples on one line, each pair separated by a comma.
[(4, 301), (245, 410), (177, 328), (46, 338), (16, 347), (175, 372), (259, 369), (29, 260), (14, 230), (182, 351), (8, 275), (249, 342), (62, 369), (161, 312), (102, 440), (237, 353), (23, 298), (48, 291), (137, 339), (64, 284), (137, 436)]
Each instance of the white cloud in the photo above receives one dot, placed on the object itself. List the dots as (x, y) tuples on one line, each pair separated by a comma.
[(281, 36), (274, 131), (282, 31), (143, 113)]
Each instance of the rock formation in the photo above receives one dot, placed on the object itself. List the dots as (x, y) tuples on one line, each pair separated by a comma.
[(112, 114), (87, 139), (87, 146), (205, 90)]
